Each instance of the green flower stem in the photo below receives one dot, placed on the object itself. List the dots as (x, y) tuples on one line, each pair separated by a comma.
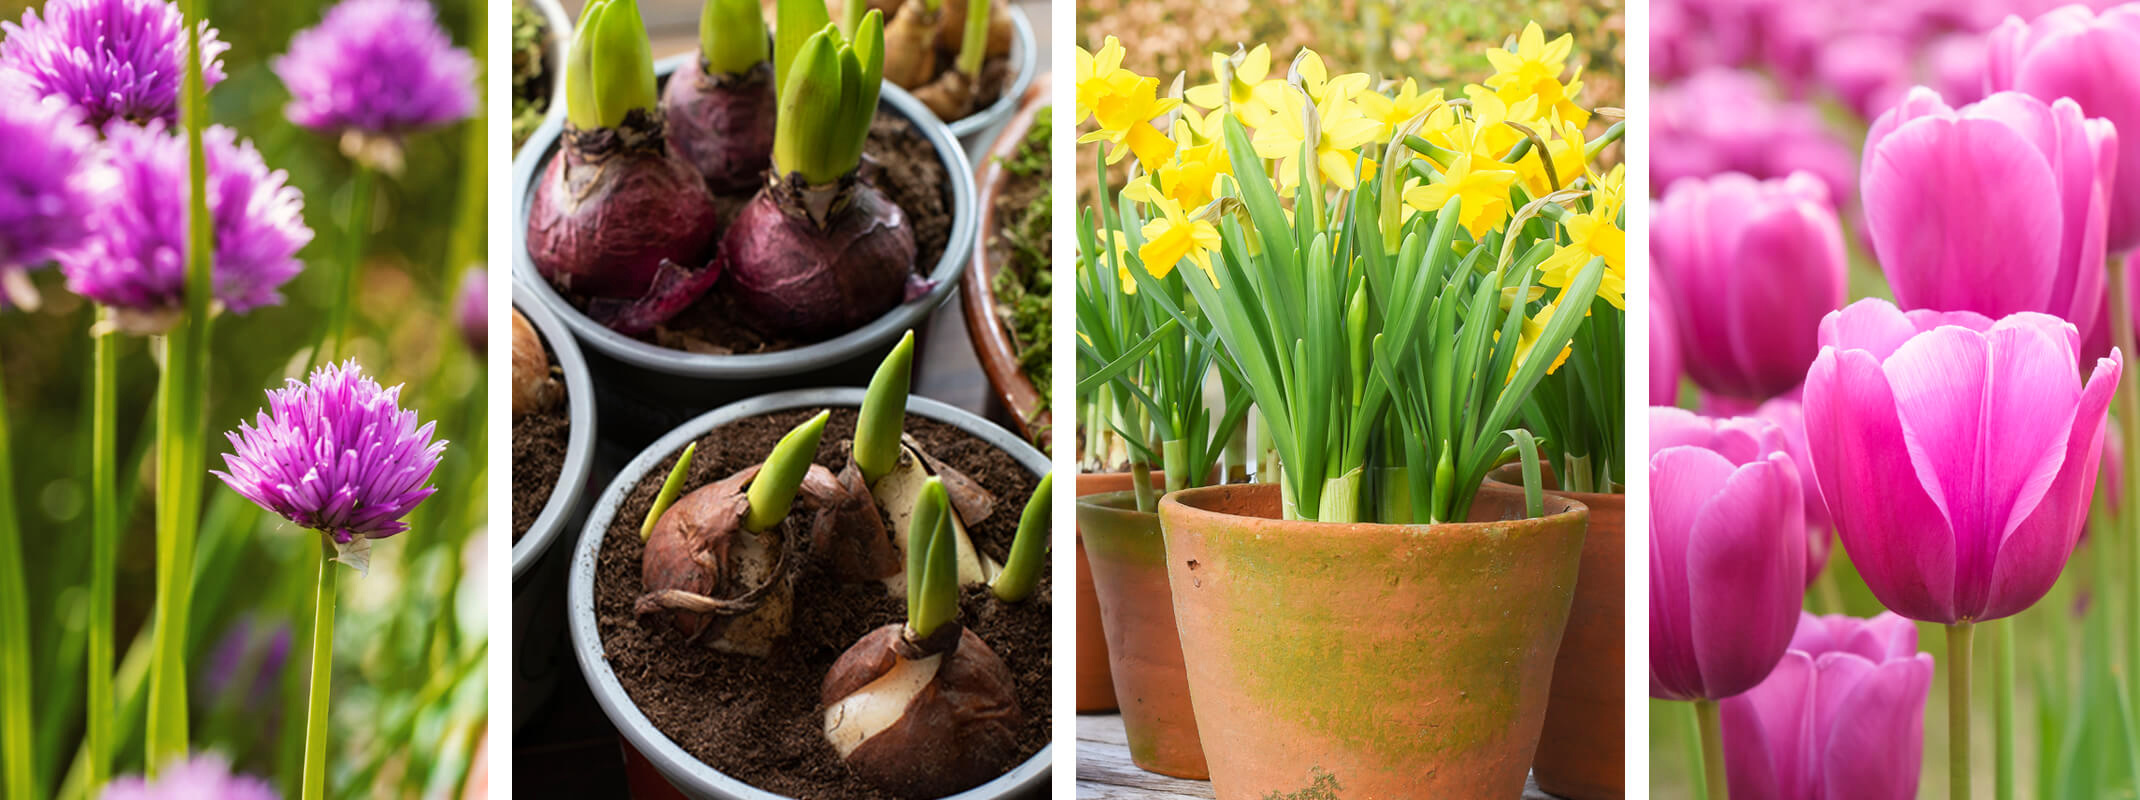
[(2001, 639), (322, 674), (732, 36), (929, 509), (1140, 480), (180, 453), (772, 491), (1694, 747), (670, 488), (973, 41), (1710, 721), (1958, 640), (1021, 572), (884, 410), (18, 766), (358, 227), (1175, 462), (2121, 327), (103, 549)]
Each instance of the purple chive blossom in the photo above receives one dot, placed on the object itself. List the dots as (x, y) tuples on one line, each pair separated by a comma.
[(46, 170), (380, 67), (115, 59), (135, 257), (472, 310), (337, 455), (199, 778), (244, 665)]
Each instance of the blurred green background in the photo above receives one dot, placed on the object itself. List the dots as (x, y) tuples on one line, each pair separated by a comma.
[(409, 704)]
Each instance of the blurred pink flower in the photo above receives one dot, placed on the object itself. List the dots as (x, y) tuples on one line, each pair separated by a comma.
[(1841, 716)]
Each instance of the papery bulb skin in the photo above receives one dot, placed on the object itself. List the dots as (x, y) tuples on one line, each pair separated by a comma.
[(1997, 207), (619, 220), (1727, 553), (723, 125), (792, 276), (1958, 455), (957, 730)]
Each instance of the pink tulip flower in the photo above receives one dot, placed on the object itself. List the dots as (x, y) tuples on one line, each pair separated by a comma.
[(1750, 268), (1842, 715), (2094, 60), (1997, 207), (1664, 350), (1789, 415), (1727, 553), (1726, 120), (1957, 455)]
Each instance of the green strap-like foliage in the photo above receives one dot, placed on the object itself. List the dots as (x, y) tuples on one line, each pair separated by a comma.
[(884, 411), (1021, 572), (772, 492), (609, 70), (828, 95), (732, 37)]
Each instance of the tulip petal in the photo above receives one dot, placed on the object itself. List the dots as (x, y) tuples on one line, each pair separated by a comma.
[(1767, 733), (1896, 536), (1870, 324), (1963, 214), (1682, 481), (2076, 61), (2032, 555), (1875, 734), (1746, 575), (1792, 272)]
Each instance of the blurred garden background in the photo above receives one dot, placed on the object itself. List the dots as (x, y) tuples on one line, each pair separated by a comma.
[(409, 704)]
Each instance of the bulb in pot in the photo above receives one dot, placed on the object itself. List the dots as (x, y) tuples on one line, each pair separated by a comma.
[(894, 469), (720, 116), (924, 709), (534, 388)]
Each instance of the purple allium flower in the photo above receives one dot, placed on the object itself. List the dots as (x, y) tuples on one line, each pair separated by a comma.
[(336, 454), (115, 59), (246, 661), (380, 67), (46, 175), (135, 257), (472, 308), (203, 777)]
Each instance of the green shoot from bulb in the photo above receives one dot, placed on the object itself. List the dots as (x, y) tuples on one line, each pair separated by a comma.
[(670, 488), (884, 412), (609, 70), (772, 492), (929, 508), (1021, 573), (828, 96), (732, 37), (933, 596), (973, 42), (794, 22)]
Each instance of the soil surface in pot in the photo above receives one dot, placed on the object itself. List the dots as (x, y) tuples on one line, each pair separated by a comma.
[(905, 167), (539, 441), (758, 720)]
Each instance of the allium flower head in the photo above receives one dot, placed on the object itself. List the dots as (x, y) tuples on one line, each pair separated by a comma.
[(114, 59), (204, 777), (336, 454), (45, 193), (135, 257), (379, 67)]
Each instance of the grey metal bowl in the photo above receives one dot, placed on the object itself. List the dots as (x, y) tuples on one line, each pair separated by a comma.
[(538, 565), (1025, 59), (875, 337), (684, 771)]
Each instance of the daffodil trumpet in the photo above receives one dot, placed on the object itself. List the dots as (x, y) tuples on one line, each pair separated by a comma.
[(720, 115), (617, 218), (819, 251), (717, 559), (923, 709)]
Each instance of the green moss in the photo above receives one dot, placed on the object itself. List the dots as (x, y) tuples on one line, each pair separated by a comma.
[(1323, 786), (531, 71), (1024, 288)]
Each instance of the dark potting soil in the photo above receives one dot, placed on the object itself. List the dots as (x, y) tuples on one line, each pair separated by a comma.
[(908, 171), (539, 441), (758, 720)]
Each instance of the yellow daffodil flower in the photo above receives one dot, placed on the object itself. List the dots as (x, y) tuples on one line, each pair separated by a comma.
[(1484, 191), (1533, 71), (1593, 234), (1526, 339), (1245, 88), (1340, 127), (1320, 85), (1095, 74), (1124, 110), (1394, 112), (1197, 164), (1172, 235), (1567, 154)]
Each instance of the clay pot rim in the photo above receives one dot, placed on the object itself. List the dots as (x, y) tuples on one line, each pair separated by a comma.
[(977, 292), (1122, 503), (1181, 507), (1511, 475), (571, 484), (686, 772), (875, 335)]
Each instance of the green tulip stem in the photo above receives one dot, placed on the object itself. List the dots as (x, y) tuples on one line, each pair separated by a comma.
[(884, 412), (1958, 640), (772, 491), (2121, 327), (315, 784), (732, 37), (1711, 723), (2001, 639), (670, 488), (1021, 572)]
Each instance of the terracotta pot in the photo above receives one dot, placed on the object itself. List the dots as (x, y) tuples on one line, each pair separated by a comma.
[(1129, 570), (1368, 661), (1580, 753), (1095, 679), (992, 344)]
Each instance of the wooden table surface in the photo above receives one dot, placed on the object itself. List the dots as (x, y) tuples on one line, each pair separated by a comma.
[(1104, 770)]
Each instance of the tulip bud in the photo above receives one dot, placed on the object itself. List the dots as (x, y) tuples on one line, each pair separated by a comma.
[(1842, 715), (2094, 59)]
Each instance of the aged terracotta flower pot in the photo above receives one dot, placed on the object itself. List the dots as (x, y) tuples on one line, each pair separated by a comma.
[(1095, 683), (1367, 661), (1129, 570), (1580, 752)]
